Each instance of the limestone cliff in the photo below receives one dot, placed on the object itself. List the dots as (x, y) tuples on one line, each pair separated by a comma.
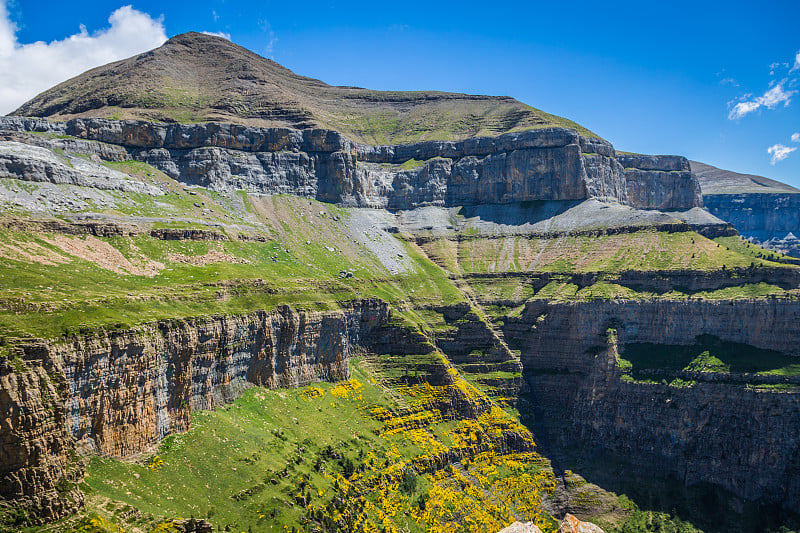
[(763, 210), (544, 164), (724, 430), (120, 392)]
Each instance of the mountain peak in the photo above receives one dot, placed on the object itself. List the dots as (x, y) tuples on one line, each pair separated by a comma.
[(196, 77)]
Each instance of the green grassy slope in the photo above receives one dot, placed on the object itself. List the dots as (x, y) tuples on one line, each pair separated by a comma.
[(501, 268), (271, 461)]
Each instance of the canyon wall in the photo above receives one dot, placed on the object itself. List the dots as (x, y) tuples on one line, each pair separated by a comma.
[(545, 164), (119, 393), (658, 281), (727, 431), (766, 218)]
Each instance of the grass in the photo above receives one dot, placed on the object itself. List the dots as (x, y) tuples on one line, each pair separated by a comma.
[(644, 250), (294, 267), (272, 461), (240, 464), (254, 465), (739, 245), (709, 354)]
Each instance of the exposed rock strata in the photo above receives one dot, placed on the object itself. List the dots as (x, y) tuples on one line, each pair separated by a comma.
[(659, 181), (764, 211), (121, 392), (32, 163), (765, 218), (661, 281), (546, 164), (712, 432)]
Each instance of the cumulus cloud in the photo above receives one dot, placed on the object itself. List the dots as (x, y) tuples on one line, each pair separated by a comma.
[(771, 99), (796, 62), (31, 68), (796, 137), (779, 152)]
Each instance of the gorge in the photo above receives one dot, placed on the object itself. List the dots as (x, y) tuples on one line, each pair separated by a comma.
[(481, 319)]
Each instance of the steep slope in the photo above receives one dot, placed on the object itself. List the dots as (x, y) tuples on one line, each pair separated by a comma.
[(765, 211), (195, 78)]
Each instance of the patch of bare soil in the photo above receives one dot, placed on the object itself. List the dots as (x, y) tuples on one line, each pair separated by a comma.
[(104, 255), (31, 252)]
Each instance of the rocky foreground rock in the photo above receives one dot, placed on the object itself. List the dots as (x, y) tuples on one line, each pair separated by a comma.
[(570, 524)]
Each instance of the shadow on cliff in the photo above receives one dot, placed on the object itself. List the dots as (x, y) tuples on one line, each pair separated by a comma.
[(519, 213), (705, 506)]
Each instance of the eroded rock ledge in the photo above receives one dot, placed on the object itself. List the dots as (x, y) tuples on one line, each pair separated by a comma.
[(545, 164)]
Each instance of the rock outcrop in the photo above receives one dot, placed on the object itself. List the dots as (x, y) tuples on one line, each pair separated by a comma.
[(33, 163), (571, 524), (659, 181), (543, 164), (521, 527), (120, 392), (771, 220), (726, 432), (660, 281)]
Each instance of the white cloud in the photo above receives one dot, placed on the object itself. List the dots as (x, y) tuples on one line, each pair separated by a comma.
[(796, 62), (796, 137), (772, 98), (218, 34), (271, 40), (779, 152), (29, 69), (271, 37)]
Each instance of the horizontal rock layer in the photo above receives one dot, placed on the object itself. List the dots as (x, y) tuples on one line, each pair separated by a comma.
[(545, 164), (33, 163), (119, 393), (719, 433), (661, 281)]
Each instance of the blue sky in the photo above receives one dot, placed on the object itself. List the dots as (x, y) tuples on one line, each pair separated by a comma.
[(714, 81)]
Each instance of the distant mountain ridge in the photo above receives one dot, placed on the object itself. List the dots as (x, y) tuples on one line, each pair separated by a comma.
[(195, 77), (765, 211), (715, 180)]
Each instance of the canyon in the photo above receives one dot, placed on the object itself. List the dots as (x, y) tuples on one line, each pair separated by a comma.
[(521, 291)]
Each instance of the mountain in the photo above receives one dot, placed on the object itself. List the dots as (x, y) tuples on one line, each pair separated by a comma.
[(714, 180), (765, 211), (264, 321), (195, 77)]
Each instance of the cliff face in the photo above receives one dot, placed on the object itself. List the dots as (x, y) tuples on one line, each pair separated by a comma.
[(545, 164), (761, 209), (765, 218), (717, 430), (659, 281), (659, 181), (36, 472), (120, 393)]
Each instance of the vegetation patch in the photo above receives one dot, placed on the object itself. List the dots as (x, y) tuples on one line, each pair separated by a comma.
[(707, 354)]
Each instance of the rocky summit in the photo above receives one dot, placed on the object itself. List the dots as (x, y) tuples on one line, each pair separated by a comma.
[(237, 299)]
